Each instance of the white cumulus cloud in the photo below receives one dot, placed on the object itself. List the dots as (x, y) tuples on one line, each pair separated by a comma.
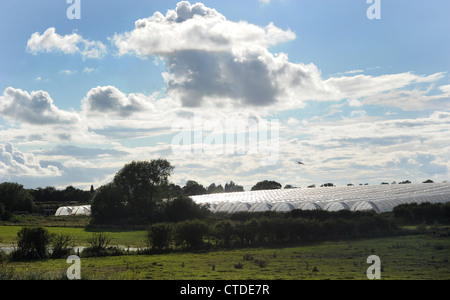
[(14, 163), (36, 107), (111, 101), (50, 41), (195, 28)]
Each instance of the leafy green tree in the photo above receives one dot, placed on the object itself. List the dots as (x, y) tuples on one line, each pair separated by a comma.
[(193, 188), (32, 243), (172, 191), (190, 234), (233, 187), (159, 236), (224, 232), (141, 185), (266, 185), (215, 189), (108, 205), (15, 198), (184, 208)]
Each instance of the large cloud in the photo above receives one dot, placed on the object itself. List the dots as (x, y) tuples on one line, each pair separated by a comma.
[(111, 101), (195, 27), (246, 76), (14, 163), (211, 60), (214, 62), (33, 108), (50, 41)]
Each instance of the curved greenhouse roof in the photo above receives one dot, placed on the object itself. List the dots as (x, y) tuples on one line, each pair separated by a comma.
[(379, 198), (64, 211), (84, 210)]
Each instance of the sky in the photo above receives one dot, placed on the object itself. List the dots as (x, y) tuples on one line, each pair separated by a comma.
[(225, 90)]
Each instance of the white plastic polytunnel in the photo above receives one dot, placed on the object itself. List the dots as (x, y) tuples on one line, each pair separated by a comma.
[(364, 206), (64, 211), (84, 210), (309, 206), (379, 198), (282, 207), (260, 207), (224, 207), (336, 206), (239, 207)]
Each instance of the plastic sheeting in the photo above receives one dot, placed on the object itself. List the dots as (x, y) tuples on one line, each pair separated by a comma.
[(84, 210), (379, 198)]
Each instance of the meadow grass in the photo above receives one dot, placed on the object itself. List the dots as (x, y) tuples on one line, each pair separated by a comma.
[(422, 257), (120, 237)]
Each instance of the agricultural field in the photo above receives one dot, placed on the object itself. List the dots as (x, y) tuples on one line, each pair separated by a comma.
[(120, 237), (410, 257)]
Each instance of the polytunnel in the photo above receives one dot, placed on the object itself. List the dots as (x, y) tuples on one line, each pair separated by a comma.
[(224, 207), (64, 211), (309, 206), (239, 207), (365, 206), (336, 206), (282, 207), (82, 210), (380, 198), (261, 207)]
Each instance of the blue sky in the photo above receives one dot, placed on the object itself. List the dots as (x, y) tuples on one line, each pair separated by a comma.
[(360, 100)]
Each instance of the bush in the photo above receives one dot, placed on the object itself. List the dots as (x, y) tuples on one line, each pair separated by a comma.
[(224, 233), (427, 213), (190, 234), (159, 236), (62, 245), (99, 243), (32, 243)]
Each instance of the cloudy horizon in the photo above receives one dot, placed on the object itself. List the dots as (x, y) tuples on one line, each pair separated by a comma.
[(356, 100)]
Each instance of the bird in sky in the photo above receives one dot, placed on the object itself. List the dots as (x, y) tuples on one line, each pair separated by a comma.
[(300, 163)]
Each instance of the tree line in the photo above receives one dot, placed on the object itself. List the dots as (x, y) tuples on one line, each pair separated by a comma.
[(14, 198)]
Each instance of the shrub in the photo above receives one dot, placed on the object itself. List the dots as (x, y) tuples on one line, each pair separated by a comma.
[(32, 243), (62, 245), (190, 234), (224, 233), (99, 243), (159, 236)]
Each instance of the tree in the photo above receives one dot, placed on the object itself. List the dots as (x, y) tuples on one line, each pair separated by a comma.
[(266, 185), (190, 233), (108, 205), (141, 183), (193, 188), (233, 187), (172, 191), (213, 189), (184, 208), (15, 198), (159, 236), (32, 243), (224, 232)]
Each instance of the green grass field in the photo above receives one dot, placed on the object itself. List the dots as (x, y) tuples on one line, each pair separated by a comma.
[(121, 237), (404, 257)]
